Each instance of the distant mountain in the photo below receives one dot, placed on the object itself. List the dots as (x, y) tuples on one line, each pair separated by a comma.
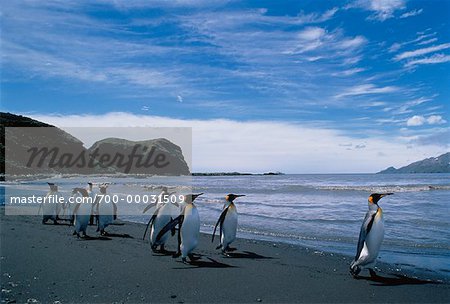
[(156, 156), (20, 135), (164, 157), (440, 164), (11, 120)]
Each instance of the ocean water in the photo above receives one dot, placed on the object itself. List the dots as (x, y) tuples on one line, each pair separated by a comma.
[(323, 212)]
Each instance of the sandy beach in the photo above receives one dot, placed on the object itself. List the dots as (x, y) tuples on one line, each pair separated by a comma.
[(45, 263)]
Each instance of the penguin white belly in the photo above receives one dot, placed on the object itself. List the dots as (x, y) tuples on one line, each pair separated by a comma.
[(190, 230), (105, 214), (164, 216), (229, 227), (82, 217), (68, 210), (158, 224), (372, 243), (50, 209)]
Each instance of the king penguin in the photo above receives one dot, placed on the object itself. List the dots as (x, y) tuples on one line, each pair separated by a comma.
[(82, 211), (50, 207), (188, 228), (228, 224), (370, 237), (165, 211), (92, 194), (105, 210)]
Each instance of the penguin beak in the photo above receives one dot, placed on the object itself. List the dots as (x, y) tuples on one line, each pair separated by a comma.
[(386, 194), (194, 196), (232, 197)]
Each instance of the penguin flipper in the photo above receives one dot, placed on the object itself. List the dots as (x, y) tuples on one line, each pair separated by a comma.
[(173, 230), (150, 222), (171, 225), (219, 221), (365, 229), (148, 207)]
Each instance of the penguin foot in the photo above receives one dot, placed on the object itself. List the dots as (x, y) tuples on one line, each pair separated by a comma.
[(218, 247), (194, 257), (176, 254), (154, 248), (162, 249), (372, 273), (230, 249), (354, 271), (184, 260), (74, 232), (225, 254)]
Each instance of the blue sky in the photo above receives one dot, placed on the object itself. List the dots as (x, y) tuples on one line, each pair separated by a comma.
[(372, 75)]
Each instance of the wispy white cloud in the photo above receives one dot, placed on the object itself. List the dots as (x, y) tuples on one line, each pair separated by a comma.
[(419, 40), (317, 38), (422, 36), (407, 107), (250, 149), (349, 72), (419, 120), (436, 120), (416, 120), (437, 58), (395, 47), (428, 41), (207, 56), (310, 18), (143, 4), (382, 9), (423, 51), (412, 13), (365, 89)]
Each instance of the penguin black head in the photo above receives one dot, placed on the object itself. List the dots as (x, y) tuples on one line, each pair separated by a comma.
[(53, 187), (103, 188), (90, 184), (230, 197), (164, 189), (375, 197), (189, 198)]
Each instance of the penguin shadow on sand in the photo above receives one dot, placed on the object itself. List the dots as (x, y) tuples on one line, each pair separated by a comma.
[(63, 224), (394, 280), (164, 253), (94, 238), (118, 235), (246, 255), (106, 237), (197, 261)]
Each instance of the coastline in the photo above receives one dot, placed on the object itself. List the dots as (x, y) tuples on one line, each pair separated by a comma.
[(47, 264)]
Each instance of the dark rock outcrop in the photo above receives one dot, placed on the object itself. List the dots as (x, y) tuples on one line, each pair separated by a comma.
[(31, 147), (155, 156)]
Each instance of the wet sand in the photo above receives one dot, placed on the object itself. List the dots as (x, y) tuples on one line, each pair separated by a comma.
[(45, 263)]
